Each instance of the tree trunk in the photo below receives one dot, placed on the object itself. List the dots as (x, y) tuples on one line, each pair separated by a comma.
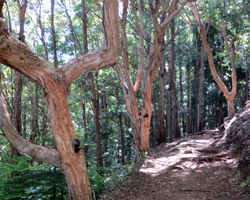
[(222, 79), (42, 33), (84, 121), (199, 116), (155, 133), (1, 8), (73, 162), (172, 85), (162, 73), (189, 130), (18, 103), (230, 104), (120, 125), (18, 83), (53, 33), (35, 129), (84, 20), (9, 17), (95, 101), (85, 44), (247, 86), (231, 55), (182, 98)]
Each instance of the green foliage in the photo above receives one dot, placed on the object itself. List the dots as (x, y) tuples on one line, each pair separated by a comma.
[(37, 182)]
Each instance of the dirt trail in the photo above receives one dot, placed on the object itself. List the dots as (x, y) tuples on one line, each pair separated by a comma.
[(197, 167)]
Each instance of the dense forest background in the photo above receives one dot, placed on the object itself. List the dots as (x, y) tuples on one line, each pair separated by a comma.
[(185, 97)]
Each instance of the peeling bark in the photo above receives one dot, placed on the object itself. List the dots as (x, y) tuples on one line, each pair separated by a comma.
[(55, 85)]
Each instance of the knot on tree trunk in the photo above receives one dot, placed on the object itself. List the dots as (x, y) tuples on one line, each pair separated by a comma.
[(76, 145)]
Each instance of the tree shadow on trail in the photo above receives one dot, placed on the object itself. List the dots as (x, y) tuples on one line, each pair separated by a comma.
[(185, 169)]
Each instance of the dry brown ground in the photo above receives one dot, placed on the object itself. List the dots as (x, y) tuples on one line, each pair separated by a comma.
[(197, 167)]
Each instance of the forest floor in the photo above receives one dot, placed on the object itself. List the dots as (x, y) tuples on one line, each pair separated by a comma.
[(201, 166)]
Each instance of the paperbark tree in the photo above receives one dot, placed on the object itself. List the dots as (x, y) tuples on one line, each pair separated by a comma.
[(55, 84), (231, 55), (147, 72)]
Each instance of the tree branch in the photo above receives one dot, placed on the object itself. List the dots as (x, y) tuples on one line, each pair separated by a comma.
[(104, 57), (141, 50), (173, 14), (50, 156), (21, 58)]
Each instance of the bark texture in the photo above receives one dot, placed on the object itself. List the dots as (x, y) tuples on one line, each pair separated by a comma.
[(55, 85)]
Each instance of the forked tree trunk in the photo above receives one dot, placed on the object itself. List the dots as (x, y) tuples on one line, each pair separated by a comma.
[(231, 55), (55, 85)]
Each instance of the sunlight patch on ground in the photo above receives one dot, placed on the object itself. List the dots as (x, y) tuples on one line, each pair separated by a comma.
[(157, 166), (180, 160)]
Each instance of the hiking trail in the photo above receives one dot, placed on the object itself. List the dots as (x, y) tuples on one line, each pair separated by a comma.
[(200, 166)]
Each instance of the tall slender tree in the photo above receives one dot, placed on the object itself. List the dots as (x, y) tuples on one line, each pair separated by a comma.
[(147, 72), (231, 55), (172, 84), (162, 73), (53, 33)]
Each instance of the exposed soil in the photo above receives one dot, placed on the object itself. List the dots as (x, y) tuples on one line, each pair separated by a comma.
[(201, 166)]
